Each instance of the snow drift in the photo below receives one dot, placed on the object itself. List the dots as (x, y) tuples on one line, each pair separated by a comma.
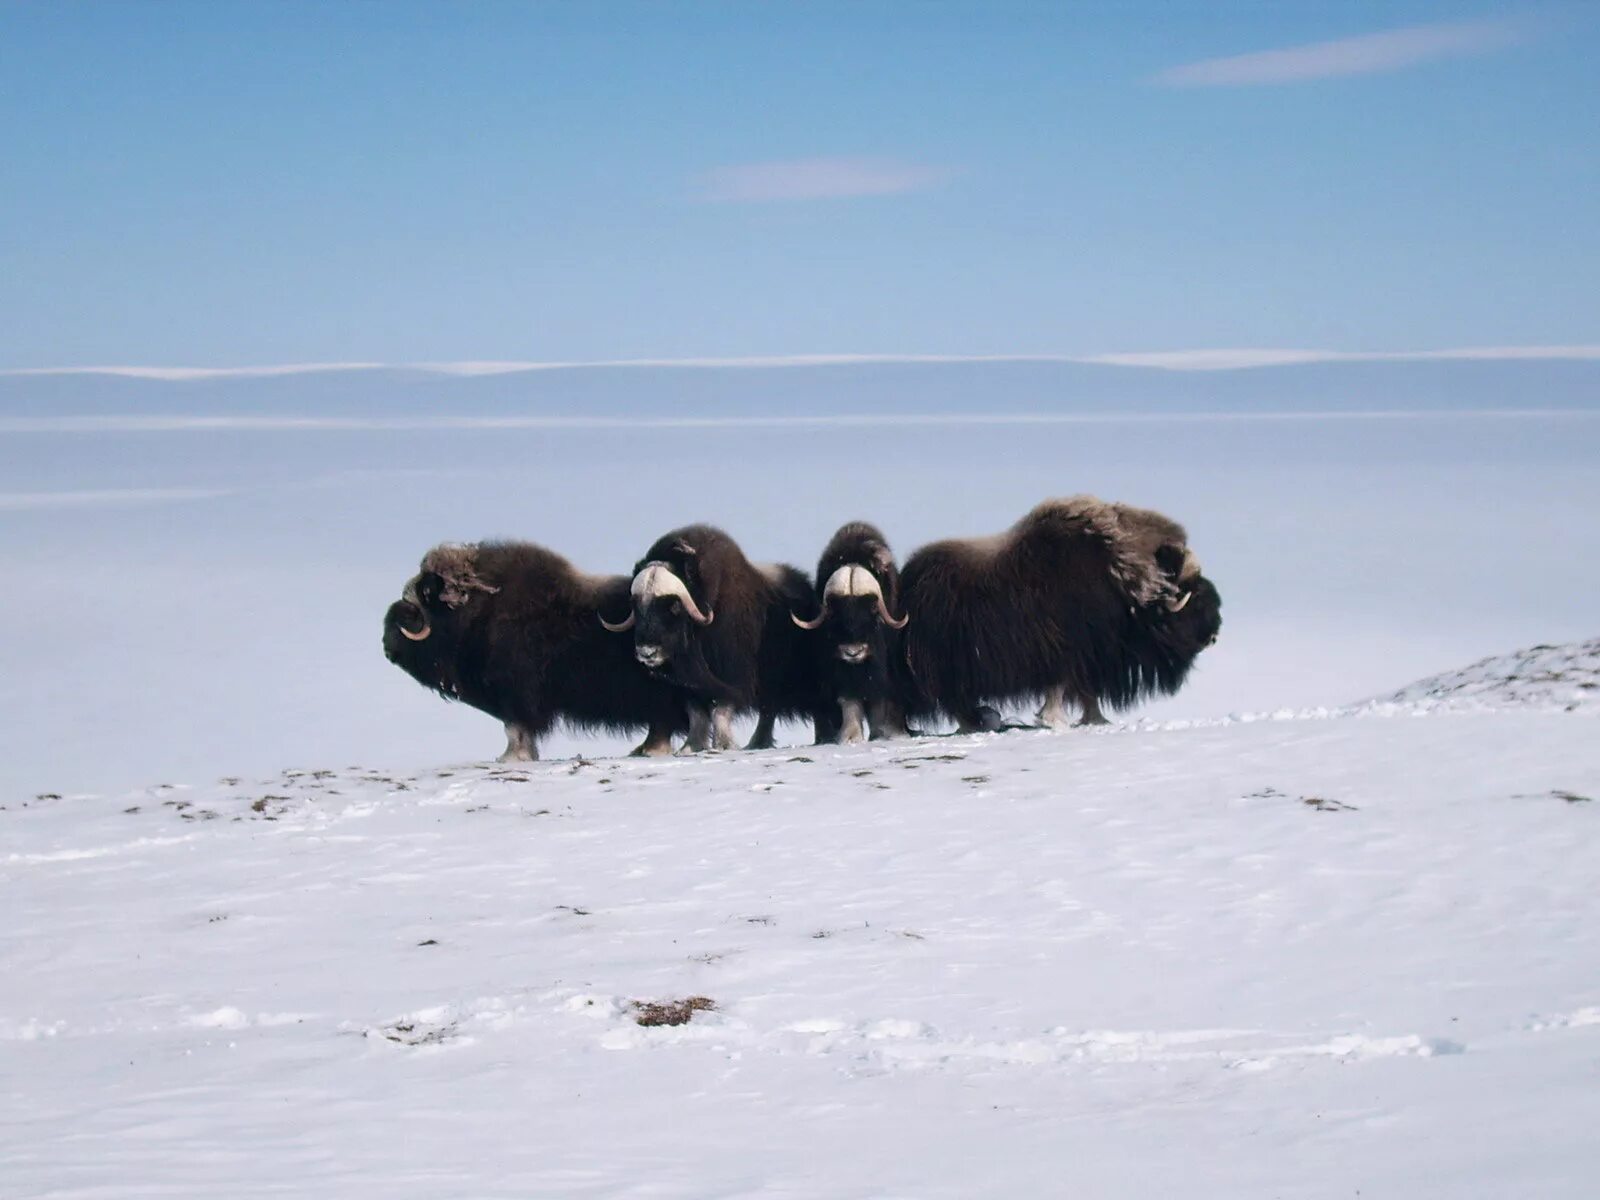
[(1294, 958)]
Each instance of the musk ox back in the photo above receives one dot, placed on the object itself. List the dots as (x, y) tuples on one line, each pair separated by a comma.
[(856, 635), (510, 629), (716, 626), (1081, 601)]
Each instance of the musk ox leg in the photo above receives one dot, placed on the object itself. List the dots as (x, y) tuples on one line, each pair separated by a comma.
[(1091, 710), (699, 730), (656, 743), (520, 745), (722, 728), (1054, 713), (888, 720), (762, 738), (826, 724), (852, 718)]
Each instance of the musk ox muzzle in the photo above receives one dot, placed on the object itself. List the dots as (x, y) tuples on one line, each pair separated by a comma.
[(852, 580)]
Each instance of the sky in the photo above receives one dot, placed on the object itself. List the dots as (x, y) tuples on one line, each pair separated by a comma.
[(234, 184)]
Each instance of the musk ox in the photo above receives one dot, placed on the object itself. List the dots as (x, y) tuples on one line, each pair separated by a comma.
[(856, 636), (510, 629), (718, 628), (1081, 602)]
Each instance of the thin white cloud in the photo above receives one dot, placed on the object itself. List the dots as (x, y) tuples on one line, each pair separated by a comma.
[(1365, 55), (134, 423), (190, 373), (817, 179), (1170, 360), (105, 498)]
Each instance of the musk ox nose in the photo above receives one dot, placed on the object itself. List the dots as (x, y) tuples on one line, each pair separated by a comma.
[(650, 656), (855, 652)]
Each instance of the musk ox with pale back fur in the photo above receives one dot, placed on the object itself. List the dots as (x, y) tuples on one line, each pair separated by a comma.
[(510, 629), (718, 628), (856, 636), (1082, 602)]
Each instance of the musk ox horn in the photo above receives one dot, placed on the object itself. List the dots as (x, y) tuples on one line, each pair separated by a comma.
[(862, 582), (816, 624), (852, 580), (1178, 604), (657, 580), (410, 596), (621, 626)]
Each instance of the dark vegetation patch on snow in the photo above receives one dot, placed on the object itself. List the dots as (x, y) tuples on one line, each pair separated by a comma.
[(650, 1013)]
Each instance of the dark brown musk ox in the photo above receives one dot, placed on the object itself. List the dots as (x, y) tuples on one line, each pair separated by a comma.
[(856, 636), (717, 627), (510, 629), (1081, 602)]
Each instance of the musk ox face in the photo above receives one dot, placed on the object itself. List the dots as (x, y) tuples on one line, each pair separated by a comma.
[(854, 617), (418, 626), (665, 620), (422, 627), (1192, 622)]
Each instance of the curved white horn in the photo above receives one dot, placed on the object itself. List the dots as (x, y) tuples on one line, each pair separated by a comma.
[(621, 626), (883, 615), (657, 580), (410, 596), (816, 624), (856, 580), (1178, 604)]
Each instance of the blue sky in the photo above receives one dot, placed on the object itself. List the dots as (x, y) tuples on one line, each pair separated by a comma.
[(219, 184)]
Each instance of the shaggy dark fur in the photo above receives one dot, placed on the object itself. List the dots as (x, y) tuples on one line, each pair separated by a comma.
[(855, 649), (751, 655), (514, 634), (1074, 599)]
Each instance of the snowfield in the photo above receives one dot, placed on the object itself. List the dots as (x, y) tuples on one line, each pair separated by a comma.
[(1348, 955)]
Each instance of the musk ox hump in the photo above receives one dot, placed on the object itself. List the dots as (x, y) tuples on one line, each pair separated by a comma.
[(457, 565), (1132, 535)]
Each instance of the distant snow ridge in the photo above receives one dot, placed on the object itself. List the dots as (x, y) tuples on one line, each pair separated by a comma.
[(1564, 678)]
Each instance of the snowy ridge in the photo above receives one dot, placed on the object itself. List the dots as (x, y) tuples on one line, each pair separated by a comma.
[(1561, 678), (966, 966)]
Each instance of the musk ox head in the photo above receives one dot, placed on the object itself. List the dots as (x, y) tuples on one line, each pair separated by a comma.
[(1184, 621), (854, 615), (666, 615), (423, 624)]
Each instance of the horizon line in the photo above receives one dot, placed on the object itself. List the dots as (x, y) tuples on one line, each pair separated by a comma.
[(1233, 359)]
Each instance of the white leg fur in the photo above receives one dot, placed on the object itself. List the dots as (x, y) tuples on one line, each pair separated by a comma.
[(699, 730), (851, 729), (722, 728), (1054, 713), (520, 746)]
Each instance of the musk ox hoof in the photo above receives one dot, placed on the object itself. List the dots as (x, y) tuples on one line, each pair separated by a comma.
[(652, 750), (1086, 722)]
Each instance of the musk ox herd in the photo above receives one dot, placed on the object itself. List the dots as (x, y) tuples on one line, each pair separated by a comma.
[(1081, 605)]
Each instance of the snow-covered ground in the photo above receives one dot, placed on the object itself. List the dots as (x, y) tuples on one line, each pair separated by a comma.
[(1356, 955)]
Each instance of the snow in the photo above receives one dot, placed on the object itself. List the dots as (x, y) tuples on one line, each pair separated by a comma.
[(1344, 954), (1564, 677)]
